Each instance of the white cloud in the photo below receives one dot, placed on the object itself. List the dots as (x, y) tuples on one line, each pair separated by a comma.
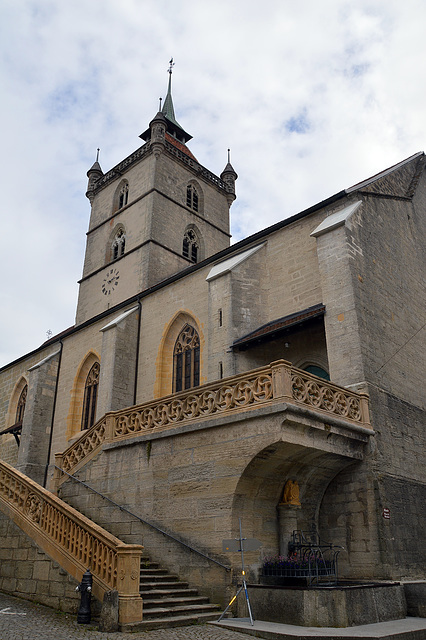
[(310, 97)]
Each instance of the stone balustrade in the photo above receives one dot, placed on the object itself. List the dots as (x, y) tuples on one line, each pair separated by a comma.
[(73, 541), (277, 382)]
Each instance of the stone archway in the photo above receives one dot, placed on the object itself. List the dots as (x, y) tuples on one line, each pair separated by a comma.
[(258, 498)]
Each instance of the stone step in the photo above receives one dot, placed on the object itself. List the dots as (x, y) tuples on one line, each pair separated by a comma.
[(166, 593), (144, 586), (147, 572), (167, 622), (158, 578), (149, 564), (189, 609), (173, 602), (168, 602)]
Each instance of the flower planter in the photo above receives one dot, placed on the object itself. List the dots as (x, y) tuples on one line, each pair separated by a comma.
[(285, 581)]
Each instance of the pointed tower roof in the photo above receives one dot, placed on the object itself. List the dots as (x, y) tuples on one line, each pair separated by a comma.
[(96, 167), (229, 169), (173, 126)]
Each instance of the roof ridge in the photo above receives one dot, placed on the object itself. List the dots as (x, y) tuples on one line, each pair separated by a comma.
[(382, 174)]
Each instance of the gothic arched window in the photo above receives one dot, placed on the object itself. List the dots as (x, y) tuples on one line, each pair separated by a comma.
[(186, 359), (90, 397), (190, 245), (118, 244), (317, 371), (123, 195), (20, 409), (192, 197)]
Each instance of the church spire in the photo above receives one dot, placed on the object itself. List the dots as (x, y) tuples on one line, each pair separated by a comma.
[(168, 109), (168, 112)]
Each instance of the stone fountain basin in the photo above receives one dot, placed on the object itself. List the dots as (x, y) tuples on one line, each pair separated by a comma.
[(345, 604)]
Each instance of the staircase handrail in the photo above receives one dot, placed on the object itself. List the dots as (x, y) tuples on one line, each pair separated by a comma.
[(72, 540), (149, 524), (276, 382)]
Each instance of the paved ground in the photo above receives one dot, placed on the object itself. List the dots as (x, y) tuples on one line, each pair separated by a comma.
[(22, 620)]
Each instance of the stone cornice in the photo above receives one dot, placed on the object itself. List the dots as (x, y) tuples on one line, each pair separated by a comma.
[(145, 150)]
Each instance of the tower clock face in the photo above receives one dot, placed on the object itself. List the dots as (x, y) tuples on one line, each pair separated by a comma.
[(110, 281)]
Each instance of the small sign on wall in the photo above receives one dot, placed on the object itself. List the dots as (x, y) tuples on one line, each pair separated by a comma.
[(386, 513)]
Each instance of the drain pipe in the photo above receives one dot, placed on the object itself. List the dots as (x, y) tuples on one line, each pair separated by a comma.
[(53, 414)]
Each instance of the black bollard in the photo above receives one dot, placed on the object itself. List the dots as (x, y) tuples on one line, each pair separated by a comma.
[(85, 588)]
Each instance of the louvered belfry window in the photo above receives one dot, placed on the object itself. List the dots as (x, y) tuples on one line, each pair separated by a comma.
[(186, 358), (123, 196), (192, 197), (119, 244), (90, 397), (190, 246)]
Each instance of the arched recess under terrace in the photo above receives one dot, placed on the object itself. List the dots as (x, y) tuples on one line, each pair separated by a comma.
[(74, 419), (259, 496), (164, 378)]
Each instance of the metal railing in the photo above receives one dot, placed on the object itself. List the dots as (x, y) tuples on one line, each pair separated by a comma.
[(149, 524)]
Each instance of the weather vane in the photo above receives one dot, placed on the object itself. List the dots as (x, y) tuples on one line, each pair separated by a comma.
[(171, 65)]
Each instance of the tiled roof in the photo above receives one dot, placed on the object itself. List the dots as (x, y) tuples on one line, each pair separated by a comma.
[(268, 331), (396, 181), (179, 145)]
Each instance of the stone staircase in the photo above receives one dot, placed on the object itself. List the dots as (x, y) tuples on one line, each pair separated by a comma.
[(168, 602)]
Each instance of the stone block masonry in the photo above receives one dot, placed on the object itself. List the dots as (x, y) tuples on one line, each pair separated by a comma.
[(27, 572)]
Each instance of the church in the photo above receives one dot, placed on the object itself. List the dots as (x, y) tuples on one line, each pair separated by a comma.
[(273, 383)]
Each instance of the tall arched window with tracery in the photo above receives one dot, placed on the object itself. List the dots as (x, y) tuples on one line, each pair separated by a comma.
[(20, 409), (123, 195), (90, 397), (190, 245), (118, 244), (192, 200), (186, 359)]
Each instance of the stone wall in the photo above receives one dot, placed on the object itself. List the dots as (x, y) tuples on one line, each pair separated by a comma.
[(195, 482), (27, 572), (13, 377)]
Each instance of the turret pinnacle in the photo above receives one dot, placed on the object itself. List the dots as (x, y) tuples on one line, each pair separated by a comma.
[(95, 172), (229, 175)]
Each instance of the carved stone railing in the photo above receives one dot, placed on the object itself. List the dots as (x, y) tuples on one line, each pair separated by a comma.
[(277, 382), (73, 541)]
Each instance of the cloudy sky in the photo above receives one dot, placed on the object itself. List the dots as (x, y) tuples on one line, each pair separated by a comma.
[(310, 96)]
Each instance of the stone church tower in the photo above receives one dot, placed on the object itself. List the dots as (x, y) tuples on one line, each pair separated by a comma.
[(154, 214)]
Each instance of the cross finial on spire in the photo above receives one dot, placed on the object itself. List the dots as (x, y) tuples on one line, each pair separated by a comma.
[(171, 65)]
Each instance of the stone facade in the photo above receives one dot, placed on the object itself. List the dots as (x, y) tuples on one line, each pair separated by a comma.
[(338, 290), (29, 573)]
